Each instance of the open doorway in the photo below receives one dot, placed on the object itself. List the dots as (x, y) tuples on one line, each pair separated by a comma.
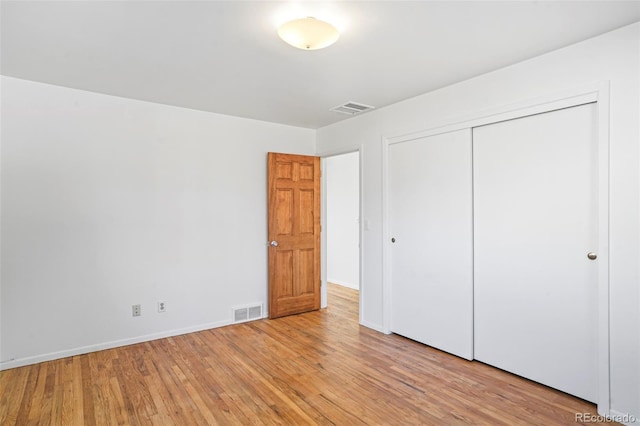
[(341, 261)]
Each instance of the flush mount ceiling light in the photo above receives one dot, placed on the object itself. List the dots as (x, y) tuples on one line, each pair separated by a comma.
[(308, 33)]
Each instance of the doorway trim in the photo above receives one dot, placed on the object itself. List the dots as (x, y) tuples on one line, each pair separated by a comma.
[(323, 234), (599, 93)]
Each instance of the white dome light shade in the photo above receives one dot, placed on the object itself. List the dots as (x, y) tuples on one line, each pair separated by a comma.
[(308, 33)]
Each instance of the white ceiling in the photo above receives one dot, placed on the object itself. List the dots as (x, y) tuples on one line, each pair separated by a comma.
[(225, 56)]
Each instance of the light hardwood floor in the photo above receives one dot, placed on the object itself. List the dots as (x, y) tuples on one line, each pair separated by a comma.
[(314, 368)]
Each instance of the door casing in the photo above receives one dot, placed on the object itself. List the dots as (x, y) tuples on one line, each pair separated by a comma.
[(323, 250)]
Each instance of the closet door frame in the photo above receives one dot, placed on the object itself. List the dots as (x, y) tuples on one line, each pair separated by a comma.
[(598, 93)]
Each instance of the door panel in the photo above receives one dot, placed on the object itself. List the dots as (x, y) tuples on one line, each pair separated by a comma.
[(306, 213), (284, 221), (294, 224), (431, 221), (535, 220), (284, 279)]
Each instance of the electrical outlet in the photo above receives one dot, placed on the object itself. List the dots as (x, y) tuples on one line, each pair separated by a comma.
[(136, 310), (162, 307)]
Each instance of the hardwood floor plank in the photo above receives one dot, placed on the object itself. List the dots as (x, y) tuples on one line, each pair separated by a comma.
[(27, 401), (320, 368), (36, 396), (72, 409), (88, 410), (56, 392)]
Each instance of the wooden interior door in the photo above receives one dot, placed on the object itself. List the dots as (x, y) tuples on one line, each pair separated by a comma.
[(294, 234)]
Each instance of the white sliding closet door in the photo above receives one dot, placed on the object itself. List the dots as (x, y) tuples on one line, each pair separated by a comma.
[(431, 223), (535, 221)]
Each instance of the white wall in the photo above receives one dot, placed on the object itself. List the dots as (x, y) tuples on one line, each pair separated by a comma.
[(343, 210), (613, 57), (109, 202)]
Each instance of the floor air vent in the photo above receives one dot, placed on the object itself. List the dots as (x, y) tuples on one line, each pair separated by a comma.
[(247, 313), (351, 108)]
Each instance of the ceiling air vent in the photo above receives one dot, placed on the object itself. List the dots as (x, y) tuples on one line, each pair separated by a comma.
[(351, 108)]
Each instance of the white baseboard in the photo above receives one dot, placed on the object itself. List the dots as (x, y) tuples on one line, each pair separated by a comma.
[(20, 362), (344, 283), (373, 326)]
